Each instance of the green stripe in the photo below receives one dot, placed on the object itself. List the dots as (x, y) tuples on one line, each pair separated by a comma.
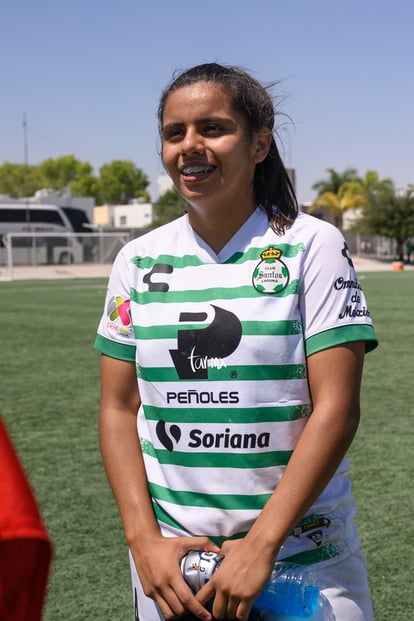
[(324, 553), (232, 459), (309, 557), (228, 502), (114, 349), (206, 295), (227, 415), (271, 328), (190, 260), (165, 518), (241, 373), (218, 541), (288, 251), (342, 335), (249, 328)]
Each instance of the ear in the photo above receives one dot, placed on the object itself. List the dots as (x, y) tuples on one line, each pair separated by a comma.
[(261, 144)]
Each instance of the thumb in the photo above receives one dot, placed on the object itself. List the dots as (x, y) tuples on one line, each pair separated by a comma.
[(201, 543)]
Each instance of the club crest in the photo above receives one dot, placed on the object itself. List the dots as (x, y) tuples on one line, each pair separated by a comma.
[(270, 275)]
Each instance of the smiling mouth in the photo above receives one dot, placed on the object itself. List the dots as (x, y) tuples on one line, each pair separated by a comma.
[(196, 172)]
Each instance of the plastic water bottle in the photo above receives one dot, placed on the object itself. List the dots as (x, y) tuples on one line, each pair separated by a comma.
[(323, 612), (291, 592)]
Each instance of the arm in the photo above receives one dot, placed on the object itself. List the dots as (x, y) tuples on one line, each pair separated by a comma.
[(156, 557), (334, 379)]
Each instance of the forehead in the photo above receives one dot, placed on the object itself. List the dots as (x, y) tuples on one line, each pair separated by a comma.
[(200, 99)]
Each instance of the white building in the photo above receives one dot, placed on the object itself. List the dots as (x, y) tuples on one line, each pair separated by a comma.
[(136, 215)]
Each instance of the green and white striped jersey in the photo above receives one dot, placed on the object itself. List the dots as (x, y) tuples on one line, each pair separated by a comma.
[(220, 345)]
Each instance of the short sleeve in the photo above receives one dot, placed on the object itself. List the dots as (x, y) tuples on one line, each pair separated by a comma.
[(115, 335), (332, 303)]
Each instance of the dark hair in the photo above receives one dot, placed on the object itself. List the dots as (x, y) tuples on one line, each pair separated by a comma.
[(273, 189)]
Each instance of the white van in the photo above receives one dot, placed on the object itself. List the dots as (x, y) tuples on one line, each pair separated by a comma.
[(39, 229)]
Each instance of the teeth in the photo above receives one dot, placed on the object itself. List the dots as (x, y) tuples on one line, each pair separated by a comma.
[(196, 170)]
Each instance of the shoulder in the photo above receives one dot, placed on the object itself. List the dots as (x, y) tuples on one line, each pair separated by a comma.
[(316, 235), (311, 226)]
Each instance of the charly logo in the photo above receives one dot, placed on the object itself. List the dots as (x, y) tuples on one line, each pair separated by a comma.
[(270, 275), (166, 436), (204, 348), (158, 268), (316, 523), (347, 255)]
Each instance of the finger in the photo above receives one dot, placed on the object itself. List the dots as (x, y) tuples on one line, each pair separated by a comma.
[(243, 612), (199, 611), (201, 543), (206, 593), (220, 608), (190, 603), (169, 604)]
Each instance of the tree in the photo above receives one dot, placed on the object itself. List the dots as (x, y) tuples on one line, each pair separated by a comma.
[(390, 214), (169, 206), (121, 181), (19, 180), (338, 193), (372, 186), (345, 198), (61, 172), (87, 185), (334, 181)]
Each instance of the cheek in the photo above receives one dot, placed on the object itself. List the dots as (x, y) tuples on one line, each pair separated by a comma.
[(235, 152), (240, 160), (167, 157)]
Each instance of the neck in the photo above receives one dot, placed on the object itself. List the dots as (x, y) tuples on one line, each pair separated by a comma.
[(219, 227)]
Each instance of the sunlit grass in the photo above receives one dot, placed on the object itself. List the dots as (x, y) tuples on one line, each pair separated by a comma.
[(49, 400)]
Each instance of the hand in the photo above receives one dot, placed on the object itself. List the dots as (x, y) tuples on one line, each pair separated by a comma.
[(158, 566), (238, 581)]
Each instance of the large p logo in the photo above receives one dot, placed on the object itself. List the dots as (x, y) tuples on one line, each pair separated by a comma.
[(218, 340)]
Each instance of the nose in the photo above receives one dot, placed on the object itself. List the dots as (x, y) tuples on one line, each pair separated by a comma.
[(192, 142)]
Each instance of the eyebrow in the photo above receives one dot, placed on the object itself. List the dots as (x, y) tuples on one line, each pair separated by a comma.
[(204, 119)]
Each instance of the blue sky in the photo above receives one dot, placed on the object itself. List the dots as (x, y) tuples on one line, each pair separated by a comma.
[(88, 75)]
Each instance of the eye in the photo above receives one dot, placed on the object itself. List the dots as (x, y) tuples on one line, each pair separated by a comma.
[(172, 133), (212, 128)]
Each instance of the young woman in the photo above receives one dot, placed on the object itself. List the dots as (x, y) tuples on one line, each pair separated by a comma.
[(233, 341)]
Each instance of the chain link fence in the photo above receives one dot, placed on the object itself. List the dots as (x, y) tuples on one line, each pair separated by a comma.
[(49, 249)]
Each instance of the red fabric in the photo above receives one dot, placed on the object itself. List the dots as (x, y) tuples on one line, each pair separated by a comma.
[(25, 547)]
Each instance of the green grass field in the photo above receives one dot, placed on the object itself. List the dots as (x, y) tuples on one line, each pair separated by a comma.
[(49, 401)]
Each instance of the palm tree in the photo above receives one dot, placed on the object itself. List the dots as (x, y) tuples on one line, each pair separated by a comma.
[(373, 187), (348, 196), (335, 180), (338, 193)]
